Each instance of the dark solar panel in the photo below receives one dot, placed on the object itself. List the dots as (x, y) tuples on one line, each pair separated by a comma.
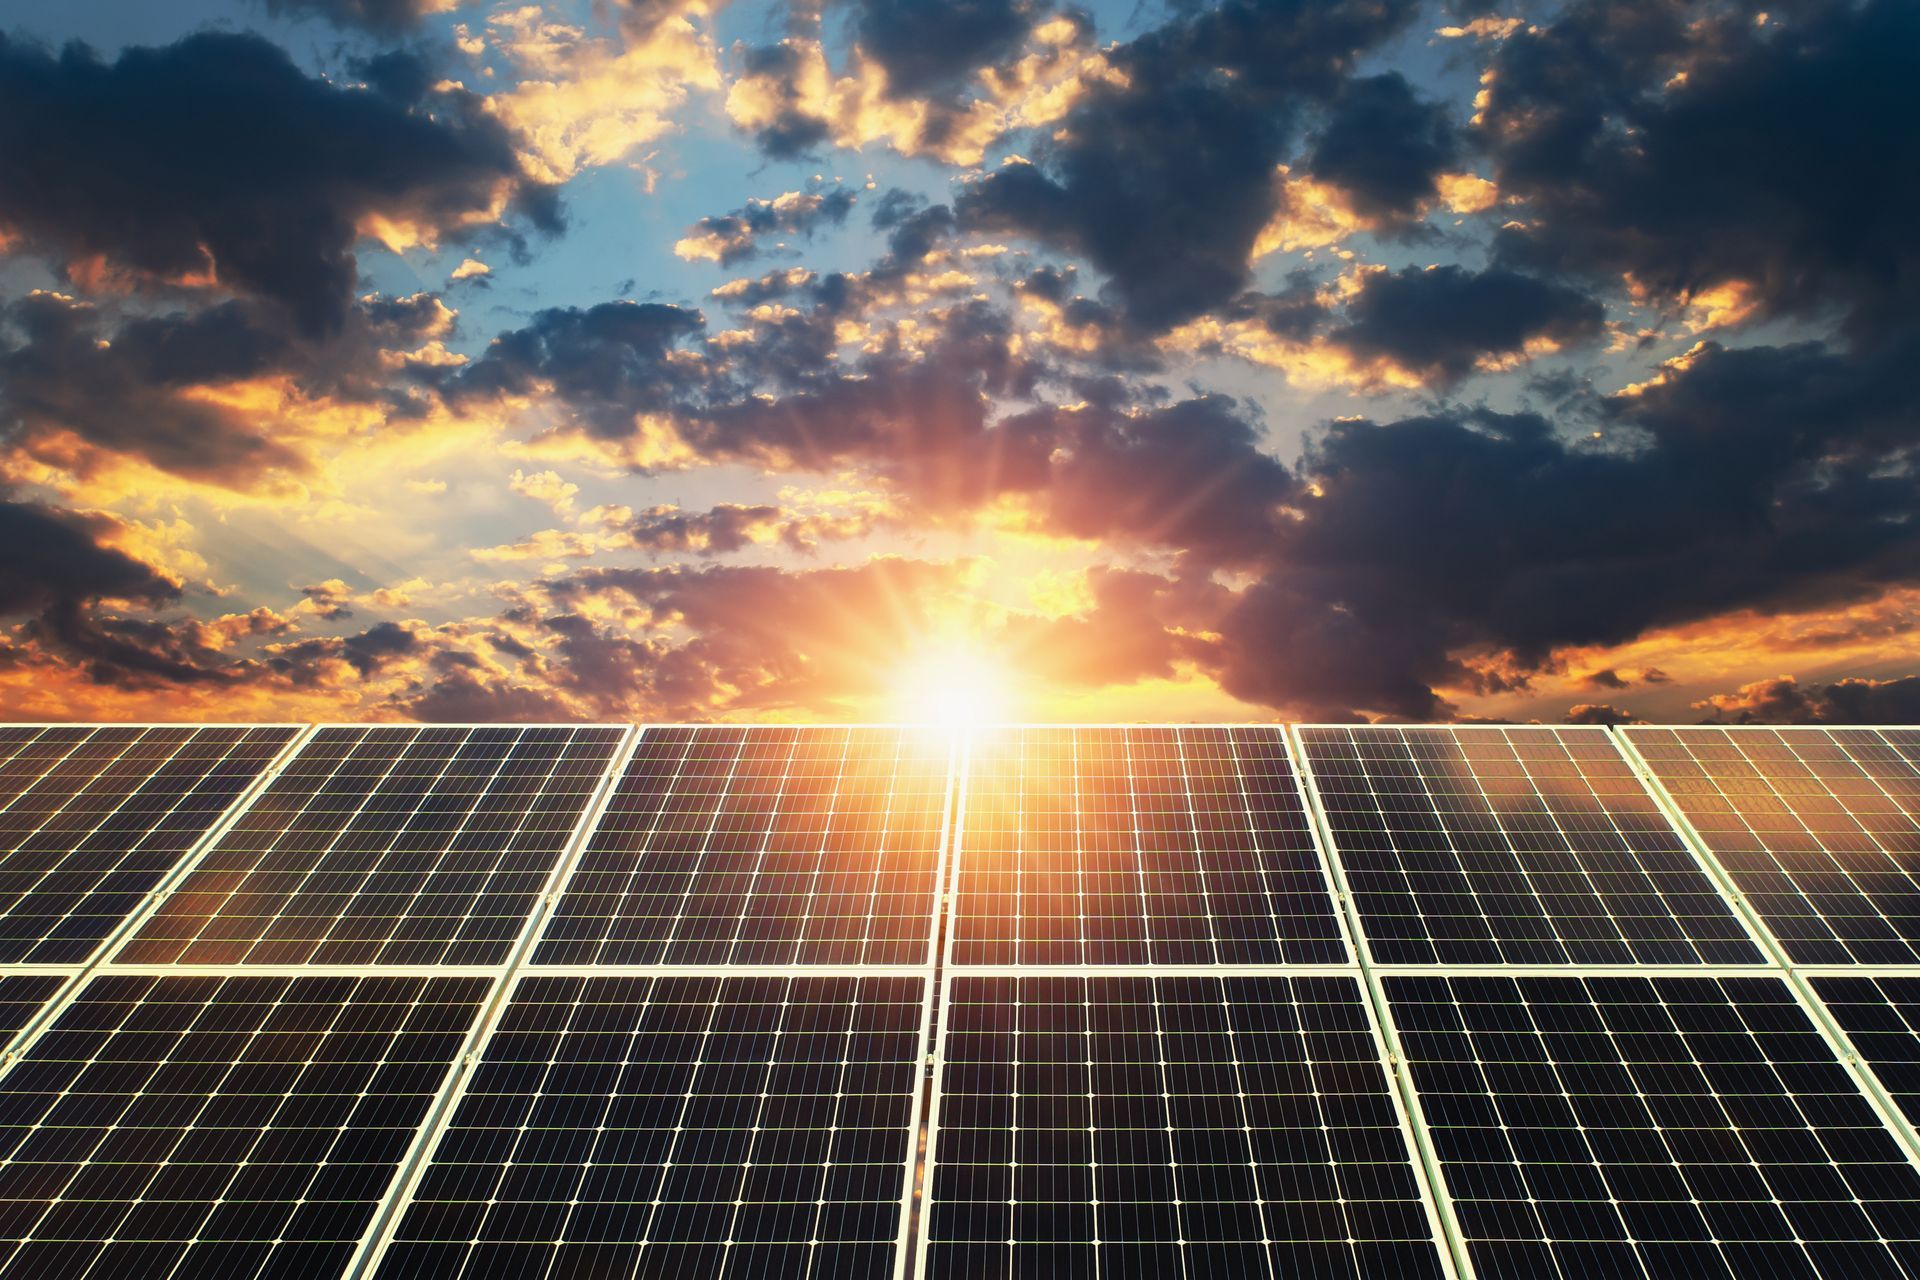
[(1138, 846), (1628, 1126), (762, 846), (386, 846), (93, 817), (1514, 846), (22, 995), (218, 1126), (1166, 1127), (1819, 828), (678, 1126), (1881, 1016)]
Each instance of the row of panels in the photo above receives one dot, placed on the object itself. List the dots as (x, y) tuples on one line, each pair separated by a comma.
[(689, 1125), (414, 847)]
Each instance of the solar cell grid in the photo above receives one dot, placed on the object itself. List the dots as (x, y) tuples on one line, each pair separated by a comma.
[(92, 818), (1657, 1127), (1881, 1016), (1818, 828), (682, 1125), (403, 846), (1513, 846), (1138, 846), (761, 847), (1129, 1125), (218, 1126), (22, 995)]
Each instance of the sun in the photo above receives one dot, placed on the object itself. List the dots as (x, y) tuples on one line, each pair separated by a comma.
[(954, 686)]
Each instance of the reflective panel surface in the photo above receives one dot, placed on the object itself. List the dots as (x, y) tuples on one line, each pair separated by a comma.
[(762, 846), (386, 846), (1138, 846), (1819, 828), (1513, 846), (92, 818)]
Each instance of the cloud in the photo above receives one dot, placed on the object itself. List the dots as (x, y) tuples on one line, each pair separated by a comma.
[(1783, 699), (1384, 147), (1599, 713), (935, 49), (1440, 324), (215, 160), (231, 394), (1164, 177), (584, 101), (733, 237), (1692, 149), (381, 17)]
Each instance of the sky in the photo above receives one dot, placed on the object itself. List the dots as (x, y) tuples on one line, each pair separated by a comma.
[(839, 360)]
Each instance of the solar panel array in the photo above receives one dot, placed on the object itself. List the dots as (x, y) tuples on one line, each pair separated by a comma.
[(1336, 1001), (1513, 846)]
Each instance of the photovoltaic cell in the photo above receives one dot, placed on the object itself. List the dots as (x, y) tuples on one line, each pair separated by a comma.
[(22, 995), (1881, 1016), (93, 817), (762, 846), (1656, 1127), (218, 1126), (1138, 846), (386, 846), (1819, 828), (1515, 846), (1169, 1126), (679, 1126)]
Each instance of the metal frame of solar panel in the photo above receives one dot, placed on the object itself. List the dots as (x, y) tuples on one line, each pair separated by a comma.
[(1511, 845), (1112, 1057)]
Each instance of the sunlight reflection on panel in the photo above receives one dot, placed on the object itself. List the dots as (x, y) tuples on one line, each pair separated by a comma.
[(1819, 828), (1139, 845), (1518, 845)]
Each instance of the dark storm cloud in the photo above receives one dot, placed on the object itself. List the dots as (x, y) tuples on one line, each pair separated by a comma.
[(1768, 479), (218, 155), (1438, 323), (1787, 158), (931, 50), (606, 363), (129, 387), (55, 561), (382, 17), (1849, 701), (1384, 147), (1165, 183), (734, 237)]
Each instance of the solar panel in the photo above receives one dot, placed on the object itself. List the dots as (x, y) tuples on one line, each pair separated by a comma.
[(93, 817), (386, 846), (1138, 846), (762, 846), (22, 995), (1657, 1127), (1166, 1126), (218, 1126), (1819, 829), (1515, 846), (1881, 1016), (683, 1125)]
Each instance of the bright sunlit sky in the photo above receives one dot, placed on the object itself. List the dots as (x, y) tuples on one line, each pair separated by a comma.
[(633, 359)]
